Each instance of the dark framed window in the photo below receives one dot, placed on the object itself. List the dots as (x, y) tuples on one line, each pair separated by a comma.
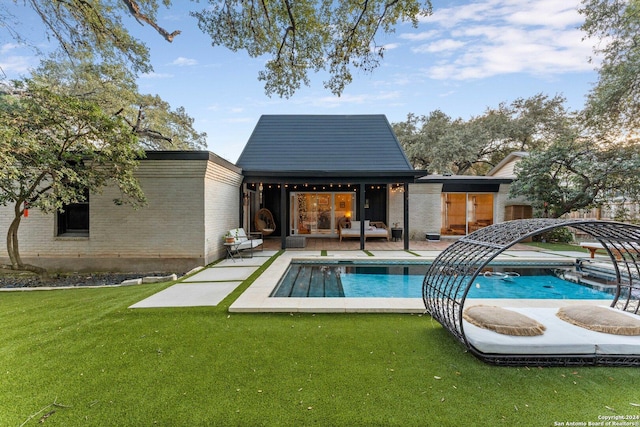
[(74, 219)]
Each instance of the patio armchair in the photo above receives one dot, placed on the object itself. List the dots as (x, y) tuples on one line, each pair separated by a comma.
[(242, 241)]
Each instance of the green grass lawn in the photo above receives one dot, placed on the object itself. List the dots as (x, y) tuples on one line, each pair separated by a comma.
[(104, 364), (558, 247)]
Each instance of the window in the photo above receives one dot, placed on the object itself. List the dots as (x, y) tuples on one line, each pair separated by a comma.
[(74, 221)]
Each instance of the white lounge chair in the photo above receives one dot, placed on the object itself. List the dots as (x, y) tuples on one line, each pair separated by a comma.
[(242, 241)]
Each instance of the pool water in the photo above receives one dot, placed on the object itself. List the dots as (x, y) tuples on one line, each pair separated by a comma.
[(304, 280)]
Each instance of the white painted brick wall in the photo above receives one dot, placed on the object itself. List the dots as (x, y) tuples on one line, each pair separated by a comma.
[(191, 204), (222, 209), (424, 210)]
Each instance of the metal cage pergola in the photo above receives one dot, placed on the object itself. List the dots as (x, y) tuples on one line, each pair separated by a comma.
[(449, 279)]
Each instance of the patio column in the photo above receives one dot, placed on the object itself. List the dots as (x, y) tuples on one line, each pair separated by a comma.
[(406, 216), (283, 216), (361, 214)]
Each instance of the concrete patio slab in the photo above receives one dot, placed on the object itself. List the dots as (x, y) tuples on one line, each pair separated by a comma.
[(393, 254), (349, 254), (189, 295), (219, 274), (428, 254), (268, 253), (244, 262)]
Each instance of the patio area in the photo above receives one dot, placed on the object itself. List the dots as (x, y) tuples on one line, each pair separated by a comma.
[(329, 244)]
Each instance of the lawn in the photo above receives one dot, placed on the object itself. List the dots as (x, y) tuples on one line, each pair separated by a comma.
[(559, 247), (104, 364)]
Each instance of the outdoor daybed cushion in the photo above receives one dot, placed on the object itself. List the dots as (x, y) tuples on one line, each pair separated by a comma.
[(502, 321), (600, 319), (560, 337), (371, 229)]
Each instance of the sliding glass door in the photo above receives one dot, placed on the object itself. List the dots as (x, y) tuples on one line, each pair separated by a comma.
[(464, 213), (318, 214)]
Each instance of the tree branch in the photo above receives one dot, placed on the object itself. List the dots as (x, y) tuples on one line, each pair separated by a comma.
[(134, 9)]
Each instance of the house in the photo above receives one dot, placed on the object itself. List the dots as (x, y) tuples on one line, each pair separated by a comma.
[(313, 173), (456, 205), (192, 197)]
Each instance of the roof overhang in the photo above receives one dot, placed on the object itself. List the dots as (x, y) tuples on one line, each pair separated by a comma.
[(191, 155), (463, 179), (313, 177)]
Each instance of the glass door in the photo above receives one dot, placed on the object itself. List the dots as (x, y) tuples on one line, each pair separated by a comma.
[(318, 214)]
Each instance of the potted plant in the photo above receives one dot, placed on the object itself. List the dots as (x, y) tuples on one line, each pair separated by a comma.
[(229, 238)]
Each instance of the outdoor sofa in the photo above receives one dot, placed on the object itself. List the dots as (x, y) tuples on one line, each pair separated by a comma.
[(348, 229)]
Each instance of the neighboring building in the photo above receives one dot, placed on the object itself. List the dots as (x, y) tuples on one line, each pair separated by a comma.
[(616, 208), (192, 197)]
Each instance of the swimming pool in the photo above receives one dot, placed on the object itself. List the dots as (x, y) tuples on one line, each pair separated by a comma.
[(335, 280)]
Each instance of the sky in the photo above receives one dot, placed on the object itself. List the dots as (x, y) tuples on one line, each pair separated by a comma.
[(469, 55)]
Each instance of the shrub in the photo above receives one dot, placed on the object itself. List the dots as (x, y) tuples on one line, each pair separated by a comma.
[(557, 235)]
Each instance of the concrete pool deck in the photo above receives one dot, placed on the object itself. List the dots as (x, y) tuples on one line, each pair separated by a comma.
[(256, 297)]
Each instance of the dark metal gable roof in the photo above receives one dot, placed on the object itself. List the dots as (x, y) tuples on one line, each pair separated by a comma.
[(327, 143)]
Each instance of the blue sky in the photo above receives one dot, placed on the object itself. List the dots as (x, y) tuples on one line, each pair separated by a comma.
[(467, 56)]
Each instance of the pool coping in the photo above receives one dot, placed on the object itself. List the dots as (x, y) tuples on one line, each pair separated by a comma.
[(256, 298)]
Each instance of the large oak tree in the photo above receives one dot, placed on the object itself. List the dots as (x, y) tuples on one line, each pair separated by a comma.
[(440, 144), (295, 38), (613, 105), (54, 149)]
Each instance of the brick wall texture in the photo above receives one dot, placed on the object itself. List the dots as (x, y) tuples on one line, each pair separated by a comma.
[(191, 204)]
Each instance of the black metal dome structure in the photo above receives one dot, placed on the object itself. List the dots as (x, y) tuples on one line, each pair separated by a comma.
[(449, 279)]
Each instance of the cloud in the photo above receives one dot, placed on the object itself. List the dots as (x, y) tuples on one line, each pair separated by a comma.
[(361, 99), (154, 75), (439, 46), (15, 65), (181, 61), (391, 46), (495, 37), (7, 47), (424, 35)]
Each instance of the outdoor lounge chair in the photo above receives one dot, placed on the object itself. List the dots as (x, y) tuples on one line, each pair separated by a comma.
[(568, 338), (242, 241)]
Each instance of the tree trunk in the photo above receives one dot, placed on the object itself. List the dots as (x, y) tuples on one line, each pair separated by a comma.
[(13, 248)]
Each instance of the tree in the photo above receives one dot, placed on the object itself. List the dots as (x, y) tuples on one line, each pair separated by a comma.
[(112, 87), (295, 37), (439, 143), (614, 103), (574, 173), (54, 149)]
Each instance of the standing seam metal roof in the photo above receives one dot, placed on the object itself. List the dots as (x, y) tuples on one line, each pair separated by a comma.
[(331, 143)]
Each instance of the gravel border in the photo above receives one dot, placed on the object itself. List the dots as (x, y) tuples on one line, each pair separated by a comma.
[(17, 281)]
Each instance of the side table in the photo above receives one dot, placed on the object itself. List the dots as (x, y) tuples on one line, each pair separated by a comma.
[(231, 248), (396, 234)]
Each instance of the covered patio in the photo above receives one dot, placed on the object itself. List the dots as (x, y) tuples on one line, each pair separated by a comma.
[(316, 173)]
